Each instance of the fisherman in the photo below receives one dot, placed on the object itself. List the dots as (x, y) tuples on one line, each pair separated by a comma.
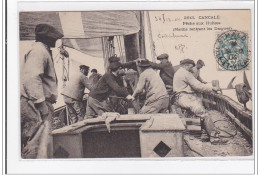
[(73, 94), (118, 104), (98, 97), (196, 71), (157, 98), (38, 92), (185, 86), (166, 71), (128, 65), (127, 79), (94, 77)]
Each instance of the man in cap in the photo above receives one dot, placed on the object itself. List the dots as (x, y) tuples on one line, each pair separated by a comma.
[(166, 71), (185, 86), (94, 77), (73, 94), (157, 98), (128, 65), (108, 83), (38, 91), (196, 71)]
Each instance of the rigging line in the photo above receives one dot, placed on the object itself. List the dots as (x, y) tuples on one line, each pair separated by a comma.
[(113, 46), (65, 70), (122, 51), (68, 68), (119, 37), (56, 57), (108, 48), (104, 53), (119, 46)]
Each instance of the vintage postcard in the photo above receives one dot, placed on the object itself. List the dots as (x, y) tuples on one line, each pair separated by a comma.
[(135, 84)]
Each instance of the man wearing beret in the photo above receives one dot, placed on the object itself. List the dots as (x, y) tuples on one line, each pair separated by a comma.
[(73, 94), (38, 92), (196, 71), (108, 83), (185, 86), (157, 98), (166, 71)]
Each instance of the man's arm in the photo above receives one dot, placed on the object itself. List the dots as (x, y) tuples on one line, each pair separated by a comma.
[(35, 64), (140, 85), (156, 65), (129, 64), (200, 79), (196, 84), (120, 91), (34, 70)]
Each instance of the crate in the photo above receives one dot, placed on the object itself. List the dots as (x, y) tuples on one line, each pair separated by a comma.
[(162, 136)]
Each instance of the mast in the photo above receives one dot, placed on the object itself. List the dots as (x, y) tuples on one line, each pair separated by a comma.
[(142, 35), (152, 46)]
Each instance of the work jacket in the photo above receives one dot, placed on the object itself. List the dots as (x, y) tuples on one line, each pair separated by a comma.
[(108, 84), (166, 72), (153, 85), (184, 81), (38, 77), (76, 86)]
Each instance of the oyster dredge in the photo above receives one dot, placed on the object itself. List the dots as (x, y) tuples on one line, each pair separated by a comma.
[(136, 108)]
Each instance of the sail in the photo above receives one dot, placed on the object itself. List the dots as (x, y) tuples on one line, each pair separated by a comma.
[(82, 31), (81, 24)]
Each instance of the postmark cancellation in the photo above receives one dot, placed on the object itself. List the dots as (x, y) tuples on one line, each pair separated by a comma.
[(231, 51)]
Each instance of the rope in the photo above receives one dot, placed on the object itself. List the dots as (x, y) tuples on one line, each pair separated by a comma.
[(119, 46), (230, 135)]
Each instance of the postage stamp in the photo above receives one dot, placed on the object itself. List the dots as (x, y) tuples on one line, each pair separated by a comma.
[(231, 50)]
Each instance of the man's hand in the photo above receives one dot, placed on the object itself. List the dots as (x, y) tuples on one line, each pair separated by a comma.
[(43, 108), (216, 89), (139, 59), (130, 97)]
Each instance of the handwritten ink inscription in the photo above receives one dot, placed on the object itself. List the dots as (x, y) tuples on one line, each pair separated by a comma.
[(188, 23), (180, 47)]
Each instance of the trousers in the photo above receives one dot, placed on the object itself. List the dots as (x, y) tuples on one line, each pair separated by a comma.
[(191, 102), (158, 106), (75, 108), (96, 108), (36, 140)]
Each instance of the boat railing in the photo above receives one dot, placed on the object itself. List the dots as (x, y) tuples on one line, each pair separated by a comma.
[(234, 110), (224, 104)]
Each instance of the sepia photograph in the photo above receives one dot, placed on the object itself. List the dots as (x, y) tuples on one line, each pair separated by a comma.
[(135, 84), (130, 87)]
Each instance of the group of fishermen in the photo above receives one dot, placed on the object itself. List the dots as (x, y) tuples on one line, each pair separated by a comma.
[(39, 88), (176, 84)]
